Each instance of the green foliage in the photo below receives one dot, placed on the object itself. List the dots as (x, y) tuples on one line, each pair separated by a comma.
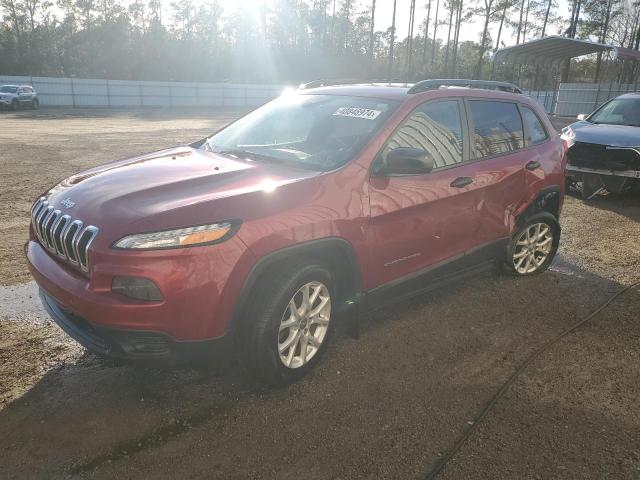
[(270, 40)]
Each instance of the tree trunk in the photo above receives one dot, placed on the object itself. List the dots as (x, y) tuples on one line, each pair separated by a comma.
[(392, 41), (487, 15), (520, 23), (435, 31), (371, 34), (412, 17), (504, 14), (426, 36), (526, 22), (456, 39), (446, 53), (546, 19), (603, 39)]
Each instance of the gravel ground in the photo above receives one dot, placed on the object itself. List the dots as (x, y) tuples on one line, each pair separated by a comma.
[(385, 406)]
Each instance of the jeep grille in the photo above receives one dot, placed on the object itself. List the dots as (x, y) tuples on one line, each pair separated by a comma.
[(63, 236)]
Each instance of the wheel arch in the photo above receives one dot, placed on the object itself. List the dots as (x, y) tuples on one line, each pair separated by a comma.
[(335, 253), (549, 199)]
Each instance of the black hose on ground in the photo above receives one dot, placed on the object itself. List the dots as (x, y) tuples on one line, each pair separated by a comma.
[(440, 464)]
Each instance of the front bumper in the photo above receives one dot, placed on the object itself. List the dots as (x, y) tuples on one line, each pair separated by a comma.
[(199, 287), (131, 344), (572, 170)]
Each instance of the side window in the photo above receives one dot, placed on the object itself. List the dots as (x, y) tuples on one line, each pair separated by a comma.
[(497, 128), (535, 132), (435, 127)]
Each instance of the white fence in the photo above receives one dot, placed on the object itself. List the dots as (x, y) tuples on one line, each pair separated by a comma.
[(575, 98), (546, 98), (83, 92), (569, 99)]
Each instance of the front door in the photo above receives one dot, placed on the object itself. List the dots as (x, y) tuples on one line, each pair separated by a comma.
[(419, 221)]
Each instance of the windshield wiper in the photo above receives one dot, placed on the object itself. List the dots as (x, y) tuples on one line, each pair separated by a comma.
[(239, 153)]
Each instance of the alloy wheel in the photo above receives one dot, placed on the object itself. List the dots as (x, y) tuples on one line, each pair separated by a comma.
[(304, 324), (532, 248)]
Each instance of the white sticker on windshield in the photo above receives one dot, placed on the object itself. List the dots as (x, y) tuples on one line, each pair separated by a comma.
[(357, 112)]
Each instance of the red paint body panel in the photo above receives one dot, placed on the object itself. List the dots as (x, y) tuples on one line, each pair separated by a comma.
[(395, 225)]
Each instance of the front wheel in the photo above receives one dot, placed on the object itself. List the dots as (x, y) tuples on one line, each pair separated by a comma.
[(35, 104), (534, 245), (289, 323), (14, 105)]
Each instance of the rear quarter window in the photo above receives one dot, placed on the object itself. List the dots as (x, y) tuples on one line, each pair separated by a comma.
[(497, 128), (535, 133)]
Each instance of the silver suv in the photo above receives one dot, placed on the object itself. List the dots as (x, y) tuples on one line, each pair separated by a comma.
[(16, 96)]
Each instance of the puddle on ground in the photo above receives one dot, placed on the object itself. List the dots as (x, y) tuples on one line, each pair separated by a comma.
[(21, 302), (565, 266)]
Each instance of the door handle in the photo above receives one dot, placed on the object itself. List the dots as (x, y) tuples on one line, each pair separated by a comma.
[(461, 182), (532, 165)]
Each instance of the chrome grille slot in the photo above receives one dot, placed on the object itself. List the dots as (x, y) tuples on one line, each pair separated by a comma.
[(68, 238), (47, 226), (62, 235), (58, 228)]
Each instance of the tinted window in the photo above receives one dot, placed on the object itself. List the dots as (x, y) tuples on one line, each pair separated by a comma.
[(435, 127), (535, 132), (621, 111), (497, 127), (316, 131)]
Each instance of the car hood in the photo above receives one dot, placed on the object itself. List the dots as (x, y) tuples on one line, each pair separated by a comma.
[(166, 189), (613, 135)]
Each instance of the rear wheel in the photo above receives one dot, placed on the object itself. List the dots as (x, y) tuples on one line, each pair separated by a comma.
[(534, 245), (35, 104), (289, 324), (14, 105)]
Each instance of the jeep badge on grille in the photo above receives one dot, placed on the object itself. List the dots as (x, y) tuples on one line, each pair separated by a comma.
[(67, 203)]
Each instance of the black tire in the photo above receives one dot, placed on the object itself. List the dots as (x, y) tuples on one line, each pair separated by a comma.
[(258, 335), (14, 105), (544, 218), (35, 104)]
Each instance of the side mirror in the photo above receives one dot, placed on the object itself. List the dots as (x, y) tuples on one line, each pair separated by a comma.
[(582, 116), (406, 161)]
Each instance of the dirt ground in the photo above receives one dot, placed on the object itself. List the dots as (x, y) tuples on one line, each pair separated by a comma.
[(388, 405)]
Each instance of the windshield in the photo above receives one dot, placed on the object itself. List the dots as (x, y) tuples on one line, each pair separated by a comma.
[(7, 89), (321, 132), (621, 111)]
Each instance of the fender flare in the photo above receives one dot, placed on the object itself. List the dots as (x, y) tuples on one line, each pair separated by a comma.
[(349, 285), (549, 199)]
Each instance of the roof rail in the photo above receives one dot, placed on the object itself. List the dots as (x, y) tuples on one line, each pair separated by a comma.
[(345, 81), (425, 85), (326, 83)]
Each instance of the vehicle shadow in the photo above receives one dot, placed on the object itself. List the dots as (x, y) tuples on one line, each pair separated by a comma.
[(421, 367)]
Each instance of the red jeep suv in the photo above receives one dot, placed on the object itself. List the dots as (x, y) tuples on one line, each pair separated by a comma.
[(322, 204)]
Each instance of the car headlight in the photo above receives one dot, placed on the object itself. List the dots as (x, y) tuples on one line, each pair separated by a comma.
[(180, 237), (568, 132)]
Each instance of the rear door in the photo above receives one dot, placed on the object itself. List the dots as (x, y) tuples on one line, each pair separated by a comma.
[(544, 165), (418, 221), (497, 142)]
